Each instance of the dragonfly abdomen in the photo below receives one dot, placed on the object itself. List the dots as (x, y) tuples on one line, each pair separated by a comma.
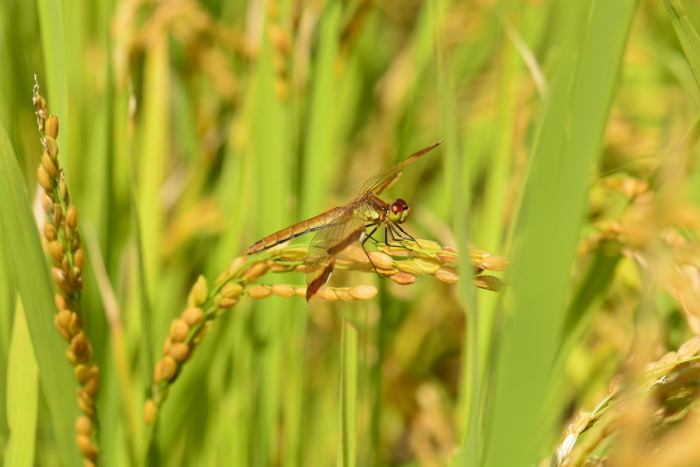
[(310, 225)]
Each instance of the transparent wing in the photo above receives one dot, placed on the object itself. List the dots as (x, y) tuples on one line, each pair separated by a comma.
[(379, 183), (345, 229)]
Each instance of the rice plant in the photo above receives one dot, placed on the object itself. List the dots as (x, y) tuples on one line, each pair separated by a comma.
[(540, 305)]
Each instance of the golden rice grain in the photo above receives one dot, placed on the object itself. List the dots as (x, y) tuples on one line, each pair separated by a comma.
[(179, 330), (259, 292), (403, 278), (192, 316)]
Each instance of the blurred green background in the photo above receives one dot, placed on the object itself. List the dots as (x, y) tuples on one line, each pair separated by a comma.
[(191, 128)]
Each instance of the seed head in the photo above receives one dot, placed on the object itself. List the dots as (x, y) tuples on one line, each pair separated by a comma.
[(447, 258), (179, 330), (57, 214), (256, 270), (83, 426), (344, 295), (49, 165), (227, 303), (293, 254), (81, 372), (494, 263), (329, 295), (447, 274), (50, 232), (232, 290), (158, 372), (92, 385), (56, 251), (395, 250), (166, 346), (355, 254), (60, 278), (85, 445), (381, 260), (47, 203), (74, 325), (72, 359), (689, 348), (44, 179), (168, 367), (179, 351), (72, 217), (284, 291), (150, 411), (63, 188), (51, 147), (363, 292), (60, 302), (277, 267), (51, 126), (427, 265), (80, 346), (86, 408), (193, 316), (428, 245), (75, 243), (410, 266), (491, 283), (63, 319), (403, 278), (259, 292), (79, 258), (199, 292)]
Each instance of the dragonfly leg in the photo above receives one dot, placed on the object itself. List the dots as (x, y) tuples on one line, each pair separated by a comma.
[(407, 235), (395, 235), (390, 232), (367, 237)]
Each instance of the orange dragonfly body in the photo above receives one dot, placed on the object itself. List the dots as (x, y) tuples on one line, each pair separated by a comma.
[(342, 226)]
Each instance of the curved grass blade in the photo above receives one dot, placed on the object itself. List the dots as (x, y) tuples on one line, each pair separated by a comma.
[(687, 35), (347, 452), (22, 395), (569, 145), (36, 289)]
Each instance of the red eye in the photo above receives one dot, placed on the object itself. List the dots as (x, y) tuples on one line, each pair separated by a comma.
[(399, 206)]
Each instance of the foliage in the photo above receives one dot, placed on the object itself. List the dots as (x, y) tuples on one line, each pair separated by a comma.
[(191, 129)]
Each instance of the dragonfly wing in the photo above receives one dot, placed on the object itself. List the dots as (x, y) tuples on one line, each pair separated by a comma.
[(346, 229), (379, 183)]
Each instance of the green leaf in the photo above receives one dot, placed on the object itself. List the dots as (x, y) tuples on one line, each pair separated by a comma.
[(687, 35), (22, 395), (570, 144), (347, 452), (37, 289)]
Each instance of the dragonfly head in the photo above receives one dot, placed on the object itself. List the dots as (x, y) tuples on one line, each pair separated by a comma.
[(399, 211)]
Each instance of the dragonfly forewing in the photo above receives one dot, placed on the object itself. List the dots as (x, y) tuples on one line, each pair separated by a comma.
[(345, 230), (379, 183)]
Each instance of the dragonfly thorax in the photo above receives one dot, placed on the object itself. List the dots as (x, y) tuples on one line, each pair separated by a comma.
[(399, 211)]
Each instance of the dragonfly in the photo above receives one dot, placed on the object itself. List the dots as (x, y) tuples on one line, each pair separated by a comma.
[(343, 226)]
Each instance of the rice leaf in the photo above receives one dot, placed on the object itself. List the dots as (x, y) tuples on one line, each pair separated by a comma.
[(36, 290), (347, 450), (569, 145), (687, 35), (22, 395)]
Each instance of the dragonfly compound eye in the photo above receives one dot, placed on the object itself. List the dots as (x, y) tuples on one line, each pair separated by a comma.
[(399, 211)]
